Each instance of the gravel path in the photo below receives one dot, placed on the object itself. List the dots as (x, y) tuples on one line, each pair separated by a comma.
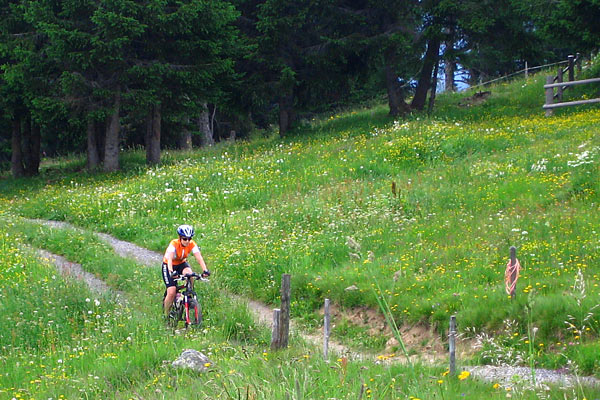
[(143, 256), (503, 375), (262, 313), (70, 269)]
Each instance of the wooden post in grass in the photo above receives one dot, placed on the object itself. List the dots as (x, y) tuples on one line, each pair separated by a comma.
[(571, 67), (284, 317), (326, 330), (549, 95), (452, 345), (275, 342), (513, 275), (560, 89)]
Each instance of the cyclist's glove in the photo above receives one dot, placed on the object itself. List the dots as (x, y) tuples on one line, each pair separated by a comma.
[(206, 273), (174, 274)]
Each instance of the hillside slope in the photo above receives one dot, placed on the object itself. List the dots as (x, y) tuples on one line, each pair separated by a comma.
[(424, 208)]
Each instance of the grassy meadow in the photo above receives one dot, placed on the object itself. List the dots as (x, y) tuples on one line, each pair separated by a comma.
[(358, 208)]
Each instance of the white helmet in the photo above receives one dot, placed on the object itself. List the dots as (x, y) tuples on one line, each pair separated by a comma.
[(186, 231)]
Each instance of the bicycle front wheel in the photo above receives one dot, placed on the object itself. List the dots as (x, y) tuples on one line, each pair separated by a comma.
[(193, 314)]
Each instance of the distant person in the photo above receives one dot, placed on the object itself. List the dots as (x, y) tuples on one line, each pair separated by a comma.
[(175, 262)]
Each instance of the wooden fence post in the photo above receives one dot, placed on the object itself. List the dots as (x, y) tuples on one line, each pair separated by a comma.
[(513, 275), (526, 70), (275, 342), (549, 95), (284, 317), (326, 329), (578, 61), (560, 89), (452, 345), (571, 68)]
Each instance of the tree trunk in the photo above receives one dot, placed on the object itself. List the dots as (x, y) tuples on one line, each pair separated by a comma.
[(25, 139), (394, 90), (232, 135), (434, 80), (206, 134), (286, 111), (449, 64), (449, 70), (100, 129), (476, 77), (93, 158), (16, 159), (424, 83), (184, 140), (111, 143), (153, 127), (31, 145)]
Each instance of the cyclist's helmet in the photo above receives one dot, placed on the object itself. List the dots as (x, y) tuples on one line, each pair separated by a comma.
[(185, 231)]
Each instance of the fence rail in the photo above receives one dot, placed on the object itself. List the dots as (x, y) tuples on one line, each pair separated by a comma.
[(571, 61), (550, 104), (525, 71), (574, 83), (570, 103), (550, 96)]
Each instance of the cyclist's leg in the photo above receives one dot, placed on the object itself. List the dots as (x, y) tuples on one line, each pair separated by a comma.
[(171, 289), (185, 268), (169, 298)]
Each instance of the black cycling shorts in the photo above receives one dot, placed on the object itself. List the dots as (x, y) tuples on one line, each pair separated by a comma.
[(176, 268)]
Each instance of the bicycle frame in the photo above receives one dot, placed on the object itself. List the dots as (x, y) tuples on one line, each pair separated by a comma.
[(189, 302)]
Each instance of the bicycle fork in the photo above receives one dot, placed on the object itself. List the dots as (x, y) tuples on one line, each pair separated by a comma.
[(187, 311)]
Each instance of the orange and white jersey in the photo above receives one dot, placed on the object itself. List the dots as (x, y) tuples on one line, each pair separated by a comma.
[(180, 253)]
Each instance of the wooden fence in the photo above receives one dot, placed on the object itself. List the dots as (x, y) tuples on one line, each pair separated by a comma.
[(530, 70), (281, 316), (558, 82)]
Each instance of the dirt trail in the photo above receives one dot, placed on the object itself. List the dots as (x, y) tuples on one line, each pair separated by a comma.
[(264, 315), (70, 269)]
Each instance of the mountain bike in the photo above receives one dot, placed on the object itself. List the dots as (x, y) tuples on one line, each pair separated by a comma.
[(186, 307)]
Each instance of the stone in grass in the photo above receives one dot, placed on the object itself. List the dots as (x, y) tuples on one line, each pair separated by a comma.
[(192, 359)]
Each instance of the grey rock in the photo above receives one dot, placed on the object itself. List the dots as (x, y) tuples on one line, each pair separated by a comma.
[(370, 256), (353, 244), (192, 359)]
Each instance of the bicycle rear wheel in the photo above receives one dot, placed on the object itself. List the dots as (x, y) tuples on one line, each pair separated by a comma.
[(174, 316)]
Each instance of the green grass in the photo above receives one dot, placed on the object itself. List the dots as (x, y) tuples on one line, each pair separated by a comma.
[(468, 183), (80, 344)]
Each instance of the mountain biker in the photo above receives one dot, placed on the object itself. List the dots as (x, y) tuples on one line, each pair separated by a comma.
[(175, 262)]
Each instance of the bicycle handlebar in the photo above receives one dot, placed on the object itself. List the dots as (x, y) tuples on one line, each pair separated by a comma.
[(192, 275)]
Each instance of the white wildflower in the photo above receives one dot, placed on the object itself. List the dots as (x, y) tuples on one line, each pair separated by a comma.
[(540, 166)]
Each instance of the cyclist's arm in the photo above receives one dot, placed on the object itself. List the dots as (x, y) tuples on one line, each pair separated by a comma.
[(200, 260), (169, 256)]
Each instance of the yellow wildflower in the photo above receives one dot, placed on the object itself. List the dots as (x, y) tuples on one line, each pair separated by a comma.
[(464, 375)]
